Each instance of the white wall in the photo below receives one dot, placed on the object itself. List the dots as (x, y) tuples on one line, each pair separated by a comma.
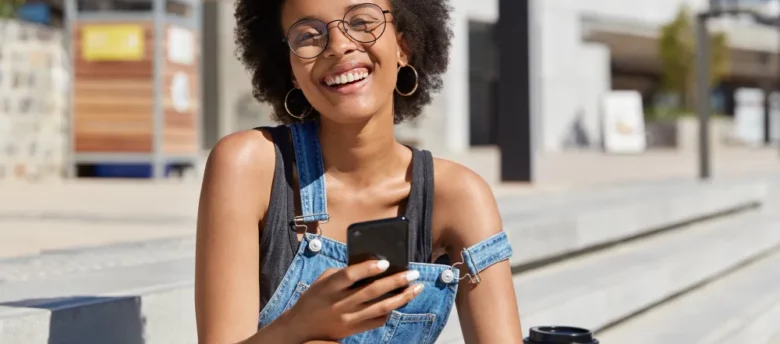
[(574, 74), (568, 75), (232, 77), (237, 109)]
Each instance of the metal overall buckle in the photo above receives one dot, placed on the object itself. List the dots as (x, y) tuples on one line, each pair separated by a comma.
[(448, 276), (315, 244)]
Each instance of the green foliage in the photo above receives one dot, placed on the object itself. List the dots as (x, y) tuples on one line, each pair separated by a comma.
[(8, 8), (677, 49)]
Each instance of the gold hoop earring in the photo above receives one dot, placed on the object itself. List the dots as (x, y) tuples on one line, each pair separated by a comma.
[(286, 107), (416, 82)]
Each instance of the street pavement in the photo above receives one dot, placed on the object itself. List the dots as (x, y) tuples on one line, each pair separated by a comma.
[(742, 307), (35, 217)]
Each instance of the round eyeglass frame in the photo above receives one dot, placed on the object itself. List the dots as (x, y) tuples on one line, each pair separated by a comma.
[(342, 24)]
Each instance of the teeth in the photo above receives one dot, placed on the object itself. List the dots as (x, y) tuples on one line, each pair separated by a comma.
[(345, 78)]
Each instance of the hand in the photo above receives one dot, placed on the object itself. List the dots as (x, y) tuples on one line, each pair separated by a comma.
[(330, 310)]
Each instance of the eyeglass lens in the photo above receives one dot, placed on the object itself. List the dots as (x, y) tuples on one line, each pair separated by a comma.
[(363, 23)]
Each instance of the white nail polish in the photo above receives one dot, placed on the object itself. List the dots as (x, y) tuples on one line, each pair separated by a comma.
[(418, 288), (412, 275), (383, 265)]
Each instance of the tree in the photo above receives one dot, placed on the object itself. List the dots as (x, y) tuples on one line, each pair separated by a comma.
[(8, 8), (677, 49)]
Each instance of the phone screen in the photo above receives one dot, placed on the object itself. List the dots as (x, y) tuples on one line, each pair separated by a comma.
[(381, 239)]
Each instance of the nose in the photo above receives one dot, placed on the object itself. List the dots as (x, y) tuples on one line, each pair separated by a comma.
[(340, 43)]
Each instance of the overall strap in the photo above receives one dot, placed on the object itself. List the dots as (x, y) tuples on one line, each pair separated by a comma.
[(428, 203), (417, 211), (311, 172), (282, 195), (486, 253)]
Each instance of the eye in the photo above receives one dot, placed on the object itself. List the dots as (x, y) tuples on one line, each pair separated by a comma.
[(306, 32), (307, 37), (363, 23)]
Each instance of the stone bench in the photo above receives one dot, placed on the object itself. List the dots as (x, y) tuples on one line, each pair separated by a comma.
[(562, 225), (743, 307), (598, 289)]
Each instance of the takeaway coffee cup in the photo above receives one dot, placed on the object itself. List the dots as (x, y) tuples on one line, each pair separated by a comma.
[(560, 335)]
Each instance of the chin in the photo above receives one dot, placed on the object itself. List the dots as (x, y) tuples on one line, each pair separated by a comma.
[(350, 111), (351, 116)]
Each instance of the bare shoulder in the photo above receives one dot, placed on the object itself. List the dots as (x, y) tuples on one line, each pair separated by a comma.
[(241, 165), (464, 204), (454, 180), (243, 152)]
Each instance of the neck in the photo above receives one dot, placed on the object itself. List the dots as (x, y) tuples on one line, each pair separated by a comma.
[(364, 151)]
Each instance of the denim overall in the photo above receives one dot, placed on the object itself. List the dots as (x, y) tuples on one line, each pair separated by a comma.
[(422, 319)]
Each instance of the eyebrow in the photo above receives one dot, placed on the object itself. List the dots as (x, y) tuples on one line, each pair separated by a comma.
[(346, 9), (305, 18)]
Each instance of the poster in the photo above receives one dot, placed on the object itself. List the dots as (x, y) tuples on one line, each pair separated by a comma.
[(181, 44), (112, 42), (180, 92), (623, 122), (749, 116), (774, 116)]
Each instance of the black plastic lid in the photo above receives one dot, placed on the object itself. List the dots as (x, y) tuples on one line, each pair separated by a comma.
[(560, 335)]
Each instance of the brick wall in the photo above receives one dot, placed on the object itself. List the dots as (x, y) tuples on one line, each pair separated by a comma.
[(33, 101)]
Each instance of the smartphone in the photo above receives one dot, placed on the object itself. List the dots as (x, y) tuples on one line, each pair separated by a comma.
[(380, 239)]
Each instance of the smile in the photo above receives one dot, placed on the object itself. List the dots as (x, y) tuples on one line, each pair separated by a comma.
[(348, 77), (348, 82)]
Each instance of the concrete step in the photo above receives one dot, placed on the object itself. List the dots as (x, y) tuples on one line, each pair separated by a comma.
[(597, 289), (551, 226), (743, 307), (562, 226), (124, 269), (126, 293)]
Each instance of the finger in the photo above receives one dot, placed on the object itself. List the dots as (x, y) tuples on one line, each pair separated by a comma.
[(382, 287), (327, 273), (384, 307), (370, 324), (353, 273)]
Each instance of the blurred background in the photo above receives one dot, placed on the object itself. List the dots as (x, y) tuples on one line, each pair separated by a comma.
[(585, 116)]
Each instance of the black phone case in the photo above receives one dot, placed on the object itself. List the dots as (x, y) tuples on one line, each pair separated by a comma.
[(380, 239)]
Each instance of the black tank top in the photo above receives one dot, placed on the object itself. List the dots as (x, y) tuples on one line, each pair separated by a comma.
[(278, 238)]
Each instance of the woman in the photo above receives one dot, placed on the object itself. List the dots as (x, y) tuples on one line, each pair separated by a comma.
[(340, 73)]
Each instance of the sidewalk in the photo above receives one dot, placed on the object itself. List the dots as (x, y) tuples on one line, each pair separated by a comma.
[(91, 213), (51, 216)]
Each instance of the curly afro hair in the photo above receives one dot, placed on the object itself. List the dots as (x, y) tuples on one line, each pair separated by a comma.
[(424, 23)]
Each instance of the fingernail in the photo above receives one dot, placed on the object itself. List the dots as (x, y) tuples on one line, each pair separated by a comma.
[(412, 275), (418, 288), (382, 265)]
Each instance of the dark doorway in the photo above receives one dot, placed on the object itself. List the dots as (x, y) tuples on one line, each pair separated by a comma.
[(211, 65), (483, 84)]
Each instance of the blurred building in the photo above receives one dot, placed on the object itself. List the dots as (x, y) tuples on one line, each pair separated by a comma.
[(579, 50)]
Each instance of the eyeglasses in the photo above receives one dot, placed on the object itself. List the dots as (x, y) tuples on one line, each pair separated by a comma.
[(364, 23)]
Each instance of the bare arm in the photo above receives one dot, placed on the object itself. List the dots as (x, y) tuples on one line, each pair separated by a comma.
[(467, 209), (234, 197)]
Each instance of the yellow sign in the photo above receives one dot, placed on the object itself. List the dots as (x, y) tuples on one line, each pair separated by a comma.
[(112, 42)]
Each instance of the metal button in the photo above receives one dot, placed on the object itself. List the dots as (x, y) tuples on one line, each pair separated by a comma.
[(315, 245), (447, 276)]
